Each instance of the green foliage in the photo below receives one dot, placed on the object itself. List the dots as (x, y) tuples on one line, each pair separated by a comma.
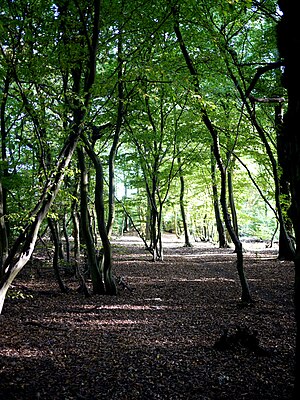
[(44, 45)]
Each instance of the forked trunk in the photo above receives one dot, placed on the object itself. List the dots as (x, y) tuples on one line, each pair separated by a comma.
[(106, 260)]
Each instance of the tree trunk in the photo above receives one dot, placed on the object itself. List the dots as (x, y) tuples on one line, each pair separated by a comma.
[(220, 227), (3, 233), (285, 252), (113, 151), (3, 173), (288, 35), (106, 261), (232, 203), (66, 237), (96, 275), (187, 242), (245, 297), (76, 237), (56, 241)]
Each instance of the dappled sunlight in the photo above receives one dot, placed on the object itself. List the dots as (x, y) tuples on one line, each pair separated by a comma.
[(91, 320), (151, 281), (26, 352), (136, 258), (204, 280), (116, 322), (200, 255), (130, 307)]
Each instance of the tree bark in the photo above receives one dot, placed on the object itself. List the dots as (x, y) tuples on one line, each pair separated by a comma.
[(106, 261), (3, 174), (284, 252), (288, 36), (113, 150), (66, 237), (56, 241), (187, 242), (3, 232), (232, 203), (94, 269), (220, 227)]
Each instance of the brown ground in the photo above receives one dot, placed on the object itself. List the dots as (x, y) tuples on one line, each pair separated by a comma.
[(156, 342)]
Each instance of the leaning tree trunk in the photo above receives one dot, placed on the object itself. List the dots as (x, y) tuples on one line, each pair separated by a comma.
[(245, 296), (27, 239)]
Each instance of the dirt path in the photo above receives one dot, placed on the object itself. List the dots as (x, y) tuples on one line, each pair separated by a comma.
[(156, 342)]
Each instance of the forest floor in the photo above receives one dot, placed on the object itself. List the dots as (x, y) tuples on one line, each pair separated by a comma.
[(158, 340)]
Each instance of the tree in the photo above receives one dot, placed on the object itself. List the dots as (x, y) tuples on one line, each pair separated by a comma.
[(288, 34), (245, 296), (82, 70)]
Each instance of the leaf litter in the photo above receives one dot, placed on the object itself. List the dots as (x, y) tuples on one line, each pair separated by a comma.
[(180, 333)]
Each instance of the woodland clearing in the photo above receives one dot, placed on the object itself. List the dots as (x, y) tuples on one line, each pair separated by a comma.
[(158, 339)]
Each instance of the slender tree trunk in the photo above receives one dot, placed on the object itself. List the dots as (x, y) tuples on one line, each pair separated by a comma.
[(148, 221), (220, 227), (76, 237), (245, 297), (76, 224), (3, 173), (96, 275), (3, 233), (232, 203), (109, 281), (113, 151), (177, 228), (56, 241), (125, 222), (187, 242), (66, 237)]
